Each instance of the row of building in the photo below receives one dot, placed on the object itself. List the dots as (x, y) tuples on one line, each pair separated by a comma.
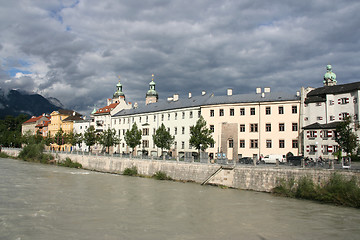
[(243, 125)]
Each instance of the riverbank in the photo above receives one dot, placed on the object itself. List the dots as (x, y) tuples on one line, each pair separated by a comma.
[(256, 178)]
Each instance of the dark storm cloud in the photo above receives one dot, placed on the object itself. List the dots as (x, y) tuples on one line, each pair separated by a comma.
[(77, 49)]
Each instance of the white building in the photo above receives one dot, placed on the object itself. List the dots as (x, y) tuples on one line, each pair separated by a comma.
[(80, 126), (323, 108)]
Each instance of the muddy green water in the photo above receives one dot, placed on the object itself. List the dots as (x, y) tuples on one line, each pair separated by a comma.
[(48, 202)]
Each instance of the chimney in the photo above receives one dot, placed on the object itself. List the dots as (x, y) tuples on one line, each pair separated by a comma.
[(176, 97), (203, 93), (135, 105), (258, 90), (189, 94), (263, 95), (267, 90), (229, 92), (170, 99), (298, 94)]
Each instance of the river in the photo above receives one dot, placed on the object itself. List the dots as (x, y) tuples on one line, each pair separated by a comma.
[(49, 202)]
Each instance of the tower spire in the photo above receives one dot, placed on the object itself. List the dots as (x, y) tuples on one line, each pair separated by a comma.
[(151, 95), (329, 77)]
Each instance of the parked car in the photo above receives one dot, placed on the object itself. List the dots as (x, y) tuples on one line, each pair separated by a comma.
[(295, 160), (273, 157), (246, 160)]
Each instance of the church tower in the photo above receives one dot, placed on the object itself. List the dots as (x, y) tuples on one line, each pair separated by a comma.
[(118, 93), (329, 77), (151, 95)]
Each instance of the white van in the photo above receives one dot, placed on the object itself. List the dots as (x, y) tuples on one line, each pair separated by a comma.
[(273, 157)]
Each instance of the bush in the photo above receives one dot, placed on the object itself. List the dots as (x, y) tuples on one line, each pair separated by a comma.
[(131, 171), (337, 190), (69, 163), (4, 155), (161, 176), (34, 153)]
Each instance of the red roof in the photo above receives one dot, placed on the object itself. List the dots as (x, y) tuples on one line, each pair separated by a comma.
[(34, 119), (45, 124), (107, 109)]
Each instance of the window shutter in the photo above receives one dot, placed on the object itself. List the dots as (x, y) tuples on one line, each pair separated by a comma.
[(315, 133), (347, 100), (330, 133), (340, 116), (322, 148), (330, 149), (316, 149), (307, 148), (339, 101), (308, 134), (321, 134)]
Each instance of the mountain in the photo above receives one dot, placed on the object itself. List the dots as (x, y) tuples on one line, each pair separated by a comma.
[(17, 102)]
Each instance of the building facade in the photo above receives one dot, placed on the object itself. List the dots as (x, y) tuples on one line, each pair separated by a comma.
[(324, 108)]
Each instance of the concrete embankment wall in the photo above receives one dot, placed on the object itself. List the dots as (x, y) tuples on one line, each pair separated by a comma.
[(257, 178)]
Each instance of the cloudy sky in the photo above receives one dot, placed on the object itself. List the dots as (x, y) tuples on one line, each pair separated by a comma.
[(75, 50)]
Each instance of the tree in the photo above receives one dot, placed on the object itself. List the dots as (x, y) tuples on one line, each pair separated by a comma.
[(162, 138), (133, 137), (74, 138), (60, 138), (10, 130), (200, 136), (108, 138), (346, 137), (49, 140), (90, 137)]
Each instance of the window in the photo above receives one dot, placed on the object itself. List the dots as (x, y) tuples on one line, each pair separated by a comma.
[(319, 118), (199, 113), (242, 127), (242, 111), (344, 100), (344, 115), (145, 143), (281, 127), (175, 116), (268, 110), (182, 145), (294, 127), (232, 112), (169, 116), (168, 129), (221, 112), (175, 144), (318, 104), (231, 143), (332, 118), (281, 110), (268, 127), (295, 143), (162, 117), (123, 131), (139, 119), (281, 143), (242, 143), (212, 128), (311, 134), (212, 113), (294, 109), (253, 143), (268, 143), (212, 145), (175, 131), (145, 132), (147, 118), (252, 111), (253, 127), (191, 114), (183, 115), (154, 118), (331, 102), (183, 130)]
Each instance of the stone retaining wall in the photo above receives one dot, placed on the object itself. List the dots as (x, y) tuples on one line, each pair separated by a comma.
[(241, 177)]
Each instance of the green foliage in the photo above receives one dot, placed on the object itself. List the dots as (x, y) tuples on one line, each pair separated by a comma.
[(60, 137), (90, 137), (131, 171), (10, 130), (74, 138), (133, 137), (34, 153), (345, 136), (200, 135), (69, 163), (337, 190), (48, 140), (4, 155), (108, 138), (161, 176), (162, 138)]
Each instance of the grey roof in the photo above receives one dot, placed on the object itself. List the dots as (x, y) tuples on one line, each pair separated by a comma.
[(207, 99), (317, 125), (336, 89)]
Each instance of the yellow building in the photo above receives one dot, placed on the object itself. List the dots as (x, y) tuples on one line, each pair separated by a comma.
[(62, 119)]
